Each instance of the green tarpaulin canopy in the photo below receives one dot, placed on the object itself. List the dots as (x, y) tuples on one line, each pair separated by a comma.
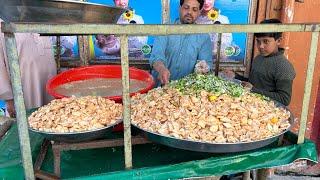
[(150, 161)]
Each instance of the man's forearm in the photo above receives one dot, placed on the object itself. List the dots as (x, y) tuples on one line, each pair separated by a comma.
[(158, 66)]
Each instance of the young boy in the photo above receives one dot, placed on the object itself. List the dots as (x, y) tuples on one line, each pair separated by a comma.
[(271, 73)]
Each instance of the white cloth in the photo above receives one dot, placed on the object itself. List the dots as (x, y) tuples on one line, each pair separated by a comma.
[(226, 39), (37, 66)]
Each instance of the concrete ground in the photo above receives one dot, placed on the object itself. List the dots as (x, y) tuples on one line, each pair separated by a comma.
[(300, 168), (288, 177)]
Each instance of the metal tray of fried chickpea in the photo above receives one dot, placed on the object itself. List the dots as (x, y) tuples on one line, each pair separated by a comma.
[(213, 147), (77, 136), (76, 119)]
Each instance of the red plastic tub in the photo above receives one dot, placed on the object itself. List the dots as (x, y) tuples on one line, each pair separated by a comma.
[(98, 71)]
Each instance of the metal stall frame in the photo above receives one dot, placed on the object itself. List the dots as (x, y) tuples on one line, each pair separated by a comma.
[(84, 52), (124, 31), (86, 59)]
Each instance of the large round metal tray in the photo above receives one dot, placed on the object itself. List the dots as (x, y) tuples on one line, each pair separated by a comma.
[(212, 147), (77, 136), (58, 11)]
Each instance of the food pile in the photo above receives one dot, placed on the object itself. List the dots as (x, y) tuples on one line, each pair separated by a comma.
[(195, 83), (208, 109), (75, 114)]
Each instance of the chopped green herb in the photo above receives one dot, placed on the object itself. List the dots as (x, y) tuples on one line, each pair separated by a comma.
[(195, 83)]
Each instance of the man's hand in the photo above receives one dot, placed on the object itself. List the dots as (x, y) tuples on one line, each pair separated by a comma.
[(164, 73), (201, 67), (10, 108), (247, 85), (164, 76)]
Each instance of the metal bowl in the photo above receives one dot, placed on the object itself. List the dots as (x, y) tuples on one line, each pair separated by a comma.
[(212, 147), (77, 136), (57, 11)]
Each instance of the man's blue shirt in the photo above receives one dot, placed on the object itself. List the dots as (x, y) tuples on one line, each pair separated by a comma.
[(180, 53)]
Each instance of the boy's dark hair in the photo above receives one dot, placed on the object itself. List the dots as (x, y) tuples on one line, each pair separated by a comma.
[(201, 2), (275, 35)]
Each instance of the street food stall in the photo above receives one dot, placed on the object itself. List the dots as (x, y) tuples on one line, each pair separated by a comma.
[(166, 149)]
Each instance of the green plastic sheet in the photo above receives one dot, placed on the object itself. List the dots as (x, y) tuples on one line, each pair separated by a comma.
[(150, 161)]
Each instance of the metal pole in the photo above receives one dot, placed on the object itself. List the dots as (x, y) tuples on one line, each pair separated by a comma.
[(83, 42), (58, 54), (263, 174), (246, 175), (308, 86), (13, 61), (86, 48), (126, 101), (152, 29), (250, 38), (217, 63), (165, 11)]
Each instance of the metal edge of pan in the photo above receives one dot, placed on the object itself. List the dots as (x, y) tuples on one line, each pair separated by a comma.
[(213, 147), (58, 11), (76, 136)]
